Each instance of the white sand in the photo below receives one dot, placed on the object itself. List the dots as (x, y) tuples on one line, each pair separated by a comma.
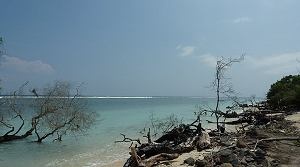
[(295, 118), (118, 163)]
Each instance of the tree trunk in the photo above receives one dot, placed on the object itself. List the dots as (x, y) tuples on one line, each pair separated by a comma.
[(7, 138), (218, 101), (137, 162)]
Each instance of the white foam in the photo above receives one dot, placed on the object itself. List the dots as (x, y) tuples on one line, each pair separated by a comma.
[(85, 97), (118, 97)]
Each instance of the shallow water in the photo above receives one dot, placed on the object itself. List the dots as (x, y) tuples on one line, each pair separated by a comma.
[(97, 147)]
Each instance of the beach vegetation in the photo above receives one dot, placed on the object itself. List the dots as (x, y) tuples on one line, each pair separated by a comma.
[(285, 93)]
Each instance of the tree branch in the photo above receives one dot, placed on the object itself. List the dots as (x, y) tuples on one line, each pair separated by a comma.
[(126, 139)]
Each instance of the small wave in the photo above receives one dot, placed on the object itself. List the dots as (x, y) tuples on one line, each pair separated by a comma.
[(118, 97), (83, 97), (107, 157)]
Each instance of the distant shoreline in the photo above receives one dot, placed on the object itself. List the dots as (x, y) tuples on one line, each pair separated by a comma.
[(119, 97)]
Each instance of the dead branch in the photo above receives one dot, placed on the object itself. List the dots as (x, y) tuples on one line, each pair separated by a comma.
[(138, 162), (21, 126), (126, 139), (148, 136), (160, 157), (273, 139), (280, 138), (239, 121)]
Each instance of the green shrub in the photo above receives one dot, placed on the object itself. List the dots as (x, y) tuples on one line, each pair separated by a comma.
[(285, 93)]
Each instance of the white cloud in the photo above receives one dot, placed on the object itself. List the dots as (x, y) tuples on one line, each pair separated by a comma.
[(280, 64), (186, 50), (17, 64), (209, 60), (285, 63), (242, 20)]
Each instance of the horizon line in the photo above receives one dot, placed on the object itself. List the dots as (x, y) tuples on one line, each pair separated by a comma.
[(114, 97)]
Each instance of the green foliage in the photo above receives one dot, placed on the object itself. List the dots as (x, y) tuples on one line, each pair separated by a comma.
[(285, 93)]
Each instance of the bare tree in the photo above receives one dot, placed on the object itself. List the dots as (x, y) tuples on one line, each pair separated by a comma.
[(2, 50), (1, 42), (56, 112), (221, 83), (11, 117)]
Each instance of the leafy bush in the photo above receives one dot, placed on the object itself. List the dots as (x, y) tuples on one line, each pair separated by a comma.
[(285, 93)]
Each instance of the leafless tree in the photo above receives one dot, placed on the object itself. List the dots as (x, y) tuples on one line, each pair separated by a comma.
[(11, 117), (56, 112), (221, 83), (1, 45)]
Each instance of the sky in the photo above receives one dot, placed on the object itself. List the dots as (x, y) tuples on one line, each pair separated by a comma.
[(150, 47)]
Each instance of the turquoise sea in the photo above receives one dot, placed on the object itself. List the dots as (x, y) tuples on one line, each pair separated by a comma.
[(96, 147)]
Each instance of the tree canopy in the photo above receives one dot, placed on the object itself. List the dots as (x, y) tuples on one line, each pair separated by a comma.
[(285, 93)]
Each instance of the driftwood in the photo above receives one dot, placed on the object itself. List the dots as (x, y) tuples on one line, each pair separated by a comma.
[(178, 140), (138, 162), (157, 148), (182, 139), (177, 135), (254, 118), (188, 137), (239, 121), (127, 139), (148, 136), (280, 138), (200, 142), (149, 154), (160, 157), (274, 139)]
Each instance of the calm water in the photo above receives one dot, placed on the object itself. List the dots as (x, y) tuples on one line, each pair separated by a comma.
[(97, 147)]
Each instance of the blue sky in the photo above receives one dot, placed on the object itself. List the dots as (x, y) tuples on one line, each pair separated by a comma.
[(148, 48)]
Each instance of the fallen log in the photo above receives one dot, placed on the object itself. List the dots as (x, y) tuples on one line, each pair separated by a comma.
[(136, 161), (149, 150), (273, 139), (181, 139), (200, 142), (150, 153), (177, 135), (280, 138), (158, 158), (239, 121)]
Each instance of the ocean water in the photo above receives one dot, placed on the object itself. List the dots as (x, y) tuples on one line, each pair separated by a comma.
[(97, 146)]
